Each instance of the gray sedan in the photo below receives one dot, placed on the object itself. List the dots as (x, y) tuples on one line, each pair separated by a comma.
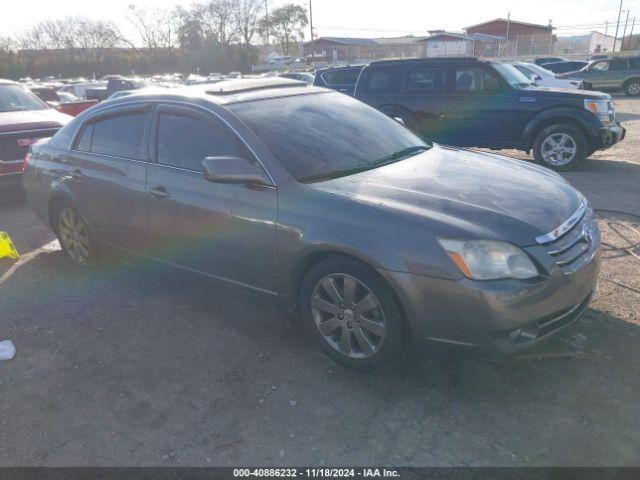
[(312, 198)]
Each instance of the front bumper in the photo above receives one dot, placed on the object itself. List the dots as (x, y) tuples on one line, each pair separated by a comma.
[(601, 138), (503, 315)]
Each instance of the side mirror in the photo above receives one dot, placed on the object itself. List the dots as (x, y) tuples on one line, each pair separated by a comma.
[(233, 170)]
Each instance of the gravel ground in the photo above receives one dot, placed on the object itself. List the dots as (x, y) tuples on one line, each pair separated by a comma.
[(133, 364)]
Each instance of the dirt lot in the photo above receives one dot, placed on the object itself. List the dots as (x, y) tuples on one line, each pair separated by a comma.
[(136, 365)]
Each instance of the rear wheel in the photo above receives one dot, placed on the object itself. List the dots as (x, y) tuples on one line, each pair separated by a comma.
[(74, 234), (560, 147), (632, 87), (352, 314)]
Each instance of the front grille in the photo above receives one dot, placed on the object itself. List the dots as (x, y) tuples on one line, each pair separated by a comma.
[(14, 145), (577, 245)]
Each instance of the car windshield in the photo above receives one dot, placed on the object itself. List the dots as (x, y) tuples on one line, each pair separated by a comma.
[(14, 98), (328, 135), (512, 75)]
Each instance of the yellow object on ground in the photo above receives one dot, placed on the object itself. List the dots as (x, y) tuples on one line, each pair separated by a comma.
[(7, 249)]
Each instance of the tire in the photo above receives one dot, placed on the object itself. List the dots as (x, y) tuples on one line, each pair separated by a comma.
[(74, 234), (566, 137), (632, 87), (363, 331)]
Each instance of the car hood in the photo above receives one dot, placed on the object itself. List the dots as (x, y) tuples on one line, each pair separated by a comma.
[(564, 92), (477, 194), (32, 120)]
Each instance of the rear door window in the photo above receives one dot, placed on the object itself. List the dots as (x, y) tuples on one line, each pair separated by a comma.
[(381, 80), (121, 135), (185, 139), (425, 79), (634, 63), (618, 64)]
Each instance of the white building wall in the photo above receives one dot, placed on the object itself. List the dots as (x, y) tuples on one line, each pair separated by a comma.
[(600, 43), (449, 49)]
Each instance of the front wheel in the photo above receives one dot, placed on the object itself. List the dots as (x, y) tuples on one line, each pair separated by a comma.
[(560, 147), (352, 314), (632, 87)]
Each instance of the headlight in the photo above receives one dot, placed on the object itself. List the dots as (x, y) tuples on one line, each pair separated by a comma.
[(489, 259), (600, 108)]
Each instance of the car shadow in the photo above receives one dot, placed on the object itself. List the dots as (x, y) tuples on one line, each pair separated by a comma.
[(170, 353)]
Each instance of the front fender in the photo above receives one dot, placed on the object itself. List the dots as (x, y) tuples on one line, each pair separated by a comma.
[(574, 115)]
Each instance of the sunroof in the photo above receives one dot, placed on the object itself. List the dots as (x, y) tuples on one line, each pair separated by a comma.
[(229, 87)]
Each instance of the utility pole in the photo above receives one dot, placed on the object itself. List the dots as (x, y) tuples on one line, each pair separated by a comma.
[(633, 24), (615, 39), (508, 25), (313, 50), (266, 17), (606, 27), (624, 32)]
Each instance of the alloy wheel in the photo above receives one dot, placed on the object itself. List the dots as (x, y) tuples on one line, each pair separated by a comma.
[(74, 235), (348, 315), (634, 89), (558, 149)]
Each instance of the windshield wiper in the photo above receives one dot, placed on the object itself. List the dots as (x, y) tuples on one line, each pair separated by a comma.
[(399, 155), (394, 157)]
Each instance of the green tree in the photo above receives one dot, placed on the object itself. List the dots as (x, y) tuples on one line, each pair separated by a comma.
[(286, 24)]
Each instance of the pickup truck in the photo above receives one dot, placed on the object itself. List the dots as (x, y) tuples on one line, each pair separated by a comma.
[(24, 119), (468, 102), (62, 101), (116, 84)]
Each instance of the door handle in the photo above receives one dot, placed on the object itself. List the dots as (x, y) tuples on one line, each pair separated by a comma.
[(159, 192)]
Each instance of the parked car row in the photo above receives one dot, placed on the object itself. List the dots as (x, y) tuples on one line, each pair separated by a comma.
[(24, 119), (376, 237)]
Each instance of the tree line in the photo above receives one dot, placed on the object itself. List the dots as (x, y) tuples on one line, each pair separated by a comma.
[(208, 36)]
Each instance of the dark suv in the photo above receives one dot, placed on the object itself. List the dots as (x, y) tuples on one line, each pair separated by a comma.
[(342, 79), (474, 103)]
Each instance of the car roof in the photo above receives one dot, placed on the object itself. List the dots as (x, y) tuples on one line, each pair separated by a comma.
[(339, 67), (7, 82), (411, 61), (226, 92)]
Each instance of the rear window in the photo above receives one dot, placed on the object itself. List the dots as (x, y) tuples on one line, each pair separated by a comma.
[(343, 76), (425, 79), (381, 80), (618, 65), (120, 136)]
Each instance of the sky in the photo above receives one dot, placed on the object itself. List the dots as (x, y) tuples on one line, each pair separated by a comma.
[(359, 18)]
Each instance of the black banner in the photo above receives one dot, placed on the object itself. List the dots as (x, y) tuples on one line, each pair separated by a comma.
[(403, 473)]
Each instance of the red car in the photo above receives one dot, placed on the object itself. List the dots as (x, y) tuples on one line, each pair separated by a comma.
[(63, 102), (24, 119)]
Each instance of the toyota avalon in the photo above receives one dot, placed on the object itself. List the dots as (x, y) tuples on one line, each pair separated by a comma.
[(377, 238)]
